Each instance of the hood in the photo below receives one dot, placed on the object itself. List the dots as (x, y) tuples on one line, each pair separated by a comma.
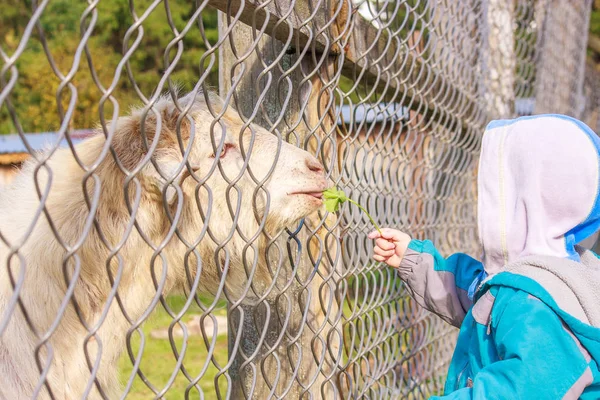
[(537, 189)]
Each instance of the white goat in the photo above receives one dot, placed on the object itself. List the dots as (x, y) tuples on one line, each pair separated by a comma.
[(203, 221)]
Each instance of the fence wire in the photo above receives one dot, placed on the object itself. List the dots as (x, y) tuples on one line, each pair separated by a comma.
[(182, 251)]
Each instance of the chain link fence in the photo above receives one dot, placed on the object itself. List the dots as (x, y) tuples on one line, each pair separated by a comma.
[(181, 251)]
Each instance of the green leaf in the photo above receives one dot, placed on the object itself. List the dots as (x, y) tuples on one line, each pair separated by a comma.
[(332, 205), (334, 198), (333, 193)]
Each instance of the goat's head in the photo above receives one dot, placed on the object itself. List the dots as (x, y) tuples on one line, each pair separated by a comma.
[(232, 186)]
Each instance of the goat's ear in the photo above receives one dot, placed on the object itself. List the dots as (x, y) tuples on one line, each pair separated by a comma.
[(127, 142), (167, 167), (167, 158)]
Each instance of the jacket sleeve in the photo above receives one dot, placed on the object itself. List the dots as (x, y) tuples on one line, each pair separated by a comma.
[(539, 357), (440, 285)]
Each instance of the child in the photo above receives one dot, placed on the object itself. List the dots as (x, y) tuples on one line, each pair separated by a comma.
[(529, 312)]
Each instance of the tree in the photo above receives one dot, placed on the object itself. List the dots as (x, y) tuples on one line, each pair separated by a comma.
[(36, 95)]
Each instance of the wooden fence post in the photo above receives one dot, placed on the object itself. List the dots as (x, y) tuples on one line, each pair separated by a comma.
[(306, 360), (561, 56), (499, 59)]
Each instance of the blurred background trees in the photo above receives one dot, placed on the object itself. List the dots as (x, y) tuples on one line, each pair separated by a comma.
[(36, 94)]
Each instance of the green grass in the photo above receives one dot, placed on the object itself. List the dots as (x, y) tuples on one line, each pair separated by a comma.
[(159, 361)]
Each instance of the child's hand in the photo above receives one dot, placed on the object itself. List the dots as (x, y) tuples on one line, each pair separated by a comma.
[(390, 246)]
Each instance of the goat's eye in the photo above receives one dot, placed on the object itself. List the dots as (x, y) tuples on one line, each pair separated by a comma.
[(227, 147)]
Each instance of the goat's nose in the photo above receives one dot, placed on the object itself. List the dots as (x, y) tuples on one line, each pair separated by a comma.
[(314, 165)]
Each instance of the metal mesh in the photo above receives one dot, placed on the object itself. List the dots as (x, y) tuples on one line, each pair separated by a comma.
[(171, 256)]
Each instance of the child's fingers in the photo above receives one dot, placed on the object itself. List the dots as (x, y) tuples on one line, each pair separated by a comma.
[(393, 261), (393, 234), (389, 234), (379, 258), (385, 244), (382, 252), (373, 235)]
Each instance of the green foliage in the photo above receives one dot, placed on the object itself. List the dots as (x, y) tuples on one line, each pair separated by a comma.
[(595, 20), (37, 97)]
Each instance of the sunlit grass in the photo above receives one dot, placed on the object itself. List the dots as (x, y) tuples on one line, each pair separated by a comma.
[(159, 361)]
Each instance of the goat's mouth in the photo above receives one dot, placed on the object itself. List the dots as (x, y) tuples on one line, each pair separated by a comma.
[(316, 194)]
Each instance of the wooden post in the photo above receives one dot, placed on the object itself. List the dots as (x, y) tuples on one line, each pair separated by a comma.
[(365, 48), (298, 359), (562, 46), (499, 59)]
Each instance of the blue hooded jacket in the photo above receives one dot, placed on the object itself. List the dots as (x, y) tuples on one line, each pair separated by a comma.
[(529, 312)]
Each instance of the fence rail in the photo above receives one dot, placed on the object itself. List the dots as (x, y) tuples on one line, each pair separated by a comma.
[(172, 251)]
